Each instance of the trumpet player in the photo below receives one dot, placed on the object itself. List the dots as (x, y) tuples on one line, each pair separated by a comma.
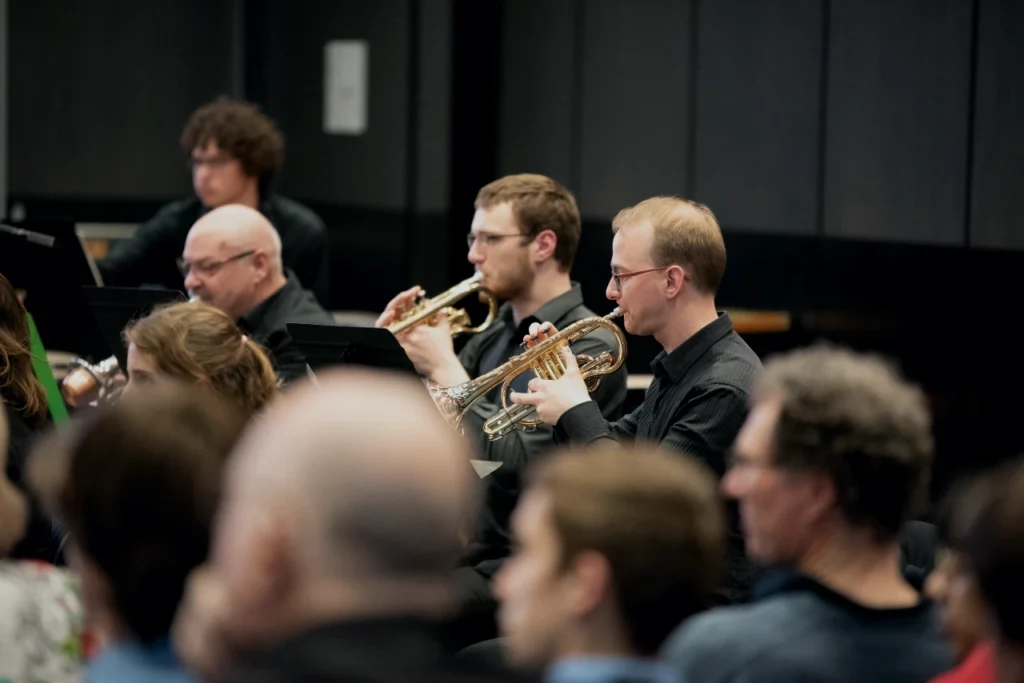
[(522, 240), (668, 259)]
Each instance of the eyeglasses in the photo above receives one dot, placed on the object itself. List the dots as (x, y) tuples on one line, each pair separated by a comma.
[(618, 277), (212, 162), (489, 239), (208, 269)]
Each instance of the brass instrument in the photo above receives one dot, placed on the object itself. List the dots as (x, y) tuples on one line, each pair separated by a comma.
[(545, 360), (424, 311), (86, 383)]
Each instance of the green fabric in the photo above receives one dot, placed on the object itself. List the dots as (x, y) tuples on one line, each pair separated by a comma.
[(44, 373)]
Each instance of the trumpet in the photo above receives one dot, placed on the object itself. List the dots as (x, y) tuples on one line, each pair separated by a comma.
[(86, 383), (424, 311), (545, 360)]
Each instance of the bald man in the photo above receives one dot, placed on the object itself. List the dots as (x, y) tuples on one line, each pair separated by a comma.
[(232, 260), (335, 541)]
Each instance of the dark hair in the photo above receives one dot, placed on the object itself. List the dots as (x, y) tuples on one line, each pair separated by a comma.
[(538, 203), (243, 131), (851, 416), (197, 342), (655, 517), (993, 543), (137, 488), (686, 233), (19, 387)]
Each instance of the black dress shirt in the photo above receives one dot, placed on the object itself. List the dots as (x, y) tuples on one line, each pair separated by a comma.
[(268, 322), (491, 543), (149, 257), (696, 404)]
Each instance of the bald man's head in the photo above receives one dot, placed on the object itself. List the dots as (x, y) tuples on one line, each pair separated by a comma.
[(233, 259), (357, 482)]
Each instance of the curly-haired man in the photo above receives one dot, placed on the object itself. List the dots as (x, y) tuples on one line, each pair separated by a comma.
[(234, 152)]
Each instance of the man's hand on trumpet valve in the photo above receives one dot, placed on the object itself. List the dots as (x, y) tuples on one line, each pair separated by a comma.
[(553, 398), (429, 346), (397, 306)]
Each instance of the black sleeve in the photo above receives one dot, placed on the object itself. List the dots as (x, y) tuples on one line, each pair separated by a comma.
[(149, 256)]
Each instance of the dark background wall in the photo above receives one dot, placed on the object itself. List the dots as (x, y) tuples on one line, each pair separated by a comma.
[(865, 157)]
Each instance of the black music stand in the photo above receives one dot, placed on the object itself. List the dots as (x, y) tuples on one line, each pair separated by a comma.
[(46, 259), (115, 307), (327, 345)]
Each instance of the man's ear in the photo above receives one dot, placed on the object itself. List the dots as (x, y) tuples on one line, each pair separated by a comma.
[(676, 279), (544, 245), (591, 582), (261, 262)]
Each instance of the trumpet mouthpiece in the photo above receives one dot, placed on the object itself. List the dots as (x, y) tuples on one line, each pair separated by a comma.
[(614, 314)]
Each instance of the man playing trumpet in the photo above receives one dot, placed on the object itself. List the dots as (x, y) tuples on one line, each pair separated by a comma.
[(668, 259), (522, 241)]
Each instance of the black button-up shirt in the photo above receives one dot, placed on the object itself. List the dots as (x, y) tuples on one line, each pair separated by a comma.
[(696, 404), (488, 350), (267, 323)]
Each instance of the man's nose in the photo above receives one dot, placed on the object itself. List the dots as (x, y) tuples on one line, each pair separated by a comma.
[(192, 282)]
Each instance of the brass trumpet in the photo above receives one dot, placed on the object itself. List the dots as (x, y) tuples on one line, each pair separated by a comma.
[(86, 383), (424, 310), (546, 362)]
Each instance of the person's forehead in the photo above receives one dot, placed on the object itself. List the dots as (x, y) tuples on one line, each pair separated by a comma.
[(498, 218), (532, 517), (207, 242), (755, 439), (207, 148), (631, 246)]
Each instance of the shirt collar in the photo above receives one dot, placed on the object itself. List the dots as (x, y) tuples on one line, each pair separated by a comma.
[(552, 311), (254, 319), (674, 365), (611, 670)]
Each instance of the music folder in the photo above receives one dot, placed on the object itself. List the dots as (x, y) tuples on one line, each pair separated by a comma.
[(115, 307), (328, 345)]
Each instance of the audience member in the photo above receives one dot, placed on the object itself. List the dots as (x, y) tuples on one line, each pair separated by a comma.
[(336, 542), (234, 152), (232, 260), (615, 547), (136, 485), (954, 589), (41, 615), (198, 344), (993, 546), (26, 412), (829, 465)]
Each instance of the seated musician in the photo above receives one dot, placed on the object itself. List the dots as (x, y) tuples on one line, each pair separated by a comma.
[(522, 241), (668, 259), (234, 151), (232, 260), (198, 344)]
